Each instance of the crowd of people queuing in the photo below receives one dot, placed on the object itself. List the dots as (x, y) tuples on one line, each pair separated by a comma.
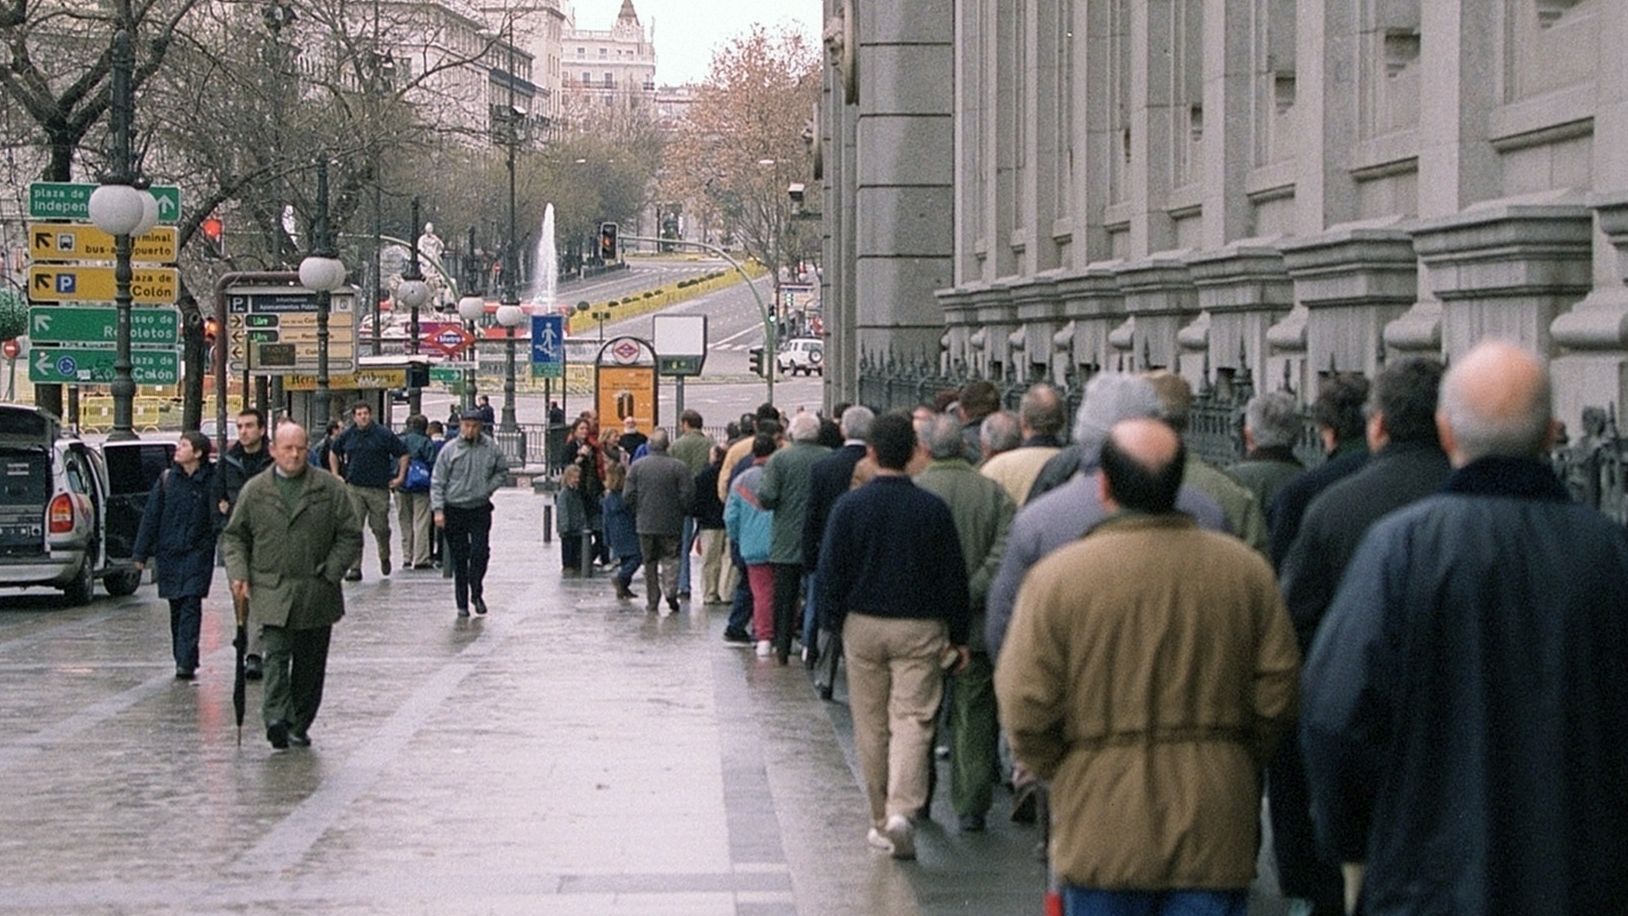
[(1410, 651)]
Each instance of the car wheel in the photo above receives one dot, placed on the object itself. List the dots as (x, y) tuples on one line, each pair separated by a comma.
[(121, 584), (83, 586)]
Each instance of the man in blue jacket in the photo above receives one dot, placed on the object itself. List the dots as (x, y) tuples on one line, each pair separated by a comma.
[(1464, 704)]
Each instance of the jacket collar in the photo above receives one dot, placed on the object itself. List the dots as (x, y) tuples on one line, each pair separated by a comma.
[(1045, 440), (1402, 449), (1515, 478), (1133, 520), (949, 464), (1279, 453)]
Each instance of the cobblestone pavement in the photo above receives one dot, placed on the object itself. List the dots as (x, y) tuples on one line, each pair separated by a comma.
[(566, 754)]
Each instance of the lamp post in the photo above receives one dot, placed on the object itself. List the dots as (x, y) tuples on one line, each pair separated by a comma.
[(120, 210), (509, 314), (322, 272), (602, 315), (413, 292), (470, 308)]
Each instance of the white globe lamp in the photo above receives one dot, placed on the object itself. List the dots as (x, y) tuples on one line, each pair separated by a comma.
[(413, 293), (116, 208), (510, 316), (320, 274), (471, 308), (149, 214)]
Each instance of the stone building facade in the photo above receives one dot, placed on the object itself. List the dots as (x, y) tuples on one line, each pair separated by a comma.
[(611, 68), (1027, 189)]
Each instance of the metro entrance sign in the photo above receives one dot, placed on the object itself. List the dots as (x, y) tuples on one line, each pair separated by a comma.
[(71, 200), (449, 339), (149, 327), (59, 365)]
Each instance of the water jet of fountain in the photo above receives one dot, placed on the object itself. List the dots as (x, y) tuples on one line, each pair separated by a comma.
[(548, 267)]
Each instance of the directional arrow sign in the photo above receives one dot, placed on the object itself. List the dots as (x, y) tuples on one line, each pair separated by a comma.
[(58, 365), (72, 242), (148, 286), (149, 327), (71, 200)]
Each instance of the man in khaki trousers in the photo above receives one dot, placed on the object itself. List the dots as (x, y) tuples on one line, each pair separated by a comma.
[(893, 581)]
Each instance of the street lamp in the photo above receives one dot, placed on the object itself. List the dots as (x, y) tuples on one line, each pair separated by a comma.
[(413, 292), (116, 207), (470, 309), (321, 272), (602, 315), (509, 315)]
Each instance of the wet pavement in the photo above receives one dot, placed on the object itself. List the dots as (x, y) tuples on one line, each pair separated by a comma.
[(565, 754)]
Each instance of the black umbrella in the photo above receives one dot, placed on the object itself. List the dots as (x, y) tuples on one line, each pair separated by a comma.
[(240, 676)]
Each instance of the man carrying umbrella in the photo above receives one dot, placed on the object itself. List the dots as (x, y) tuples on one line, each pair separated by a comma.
[(291, 539)]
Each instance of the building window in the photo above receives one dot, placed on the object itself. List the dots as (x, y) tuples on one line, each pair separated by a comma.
[(610, 81), (582, 52), (586, 78), (604, 52)]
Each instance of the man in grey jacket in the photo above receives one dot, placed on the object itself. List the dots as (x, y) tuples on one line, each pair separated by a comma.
[(467, 472), (658, 490)]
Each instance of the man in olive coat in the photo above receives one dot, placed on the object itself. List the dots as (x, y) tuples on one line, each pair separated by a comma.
[(786, 486), (291, 539)]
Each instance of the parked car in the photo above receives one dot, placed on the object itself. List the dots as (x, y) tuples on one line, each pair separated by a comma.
[(804, 354), (69, 512)]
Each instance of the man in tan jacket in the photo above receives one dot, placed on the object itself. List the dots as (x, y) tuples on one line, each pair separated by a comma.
[(1148, 671)]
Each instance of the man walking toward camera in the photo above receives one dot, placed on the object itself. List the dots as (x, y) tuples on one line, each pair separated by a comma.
[(247, 457), (374, 462), (289, 542), (468, 471)]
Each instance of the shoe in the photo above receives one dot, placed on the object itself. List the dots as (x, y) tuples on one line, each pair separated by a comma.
[(737, 638), (1025, 804), (184, 674), (712, 599), (672, 603), (424, 565), (299, 738), (463, 612), (252, 670), (811, 657), (765, 648), (480, 605), (971, 823), (879, 840), (683, 596), (354, 575), (384, 566), (652, 607), (623, 593), (277, 734), (902, 834)]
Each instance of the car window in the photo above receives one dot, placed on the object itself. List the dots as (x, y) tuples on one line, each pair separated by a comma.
[(78, 474)]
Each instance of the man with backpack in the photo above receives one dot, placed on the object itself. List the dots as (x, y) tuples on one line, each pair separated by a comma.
[(413, 500)]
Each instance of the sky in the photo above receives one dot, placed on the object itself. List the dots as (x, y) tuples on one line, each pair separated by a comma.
[(687, 31)]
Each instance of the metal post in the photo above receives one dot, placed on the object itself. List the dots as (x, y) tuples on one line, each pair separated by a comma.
[(509, 424), (511, 267), (415, 395), (322, 246), (124, 384), (678, 396)]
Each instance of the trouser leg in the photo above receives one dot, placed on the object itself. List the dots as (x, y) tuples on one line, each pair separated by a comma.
[(915, 648), (424, 530), (686, 544), (740, 610), (458, 543), (670, 557), (869, 687), (974, 766), (787, 578), (760, 579), (187, 630), (409, 531), (810, 619), (310, 671), (570, 551), (480, 548), (275, 702), (712, 563), (629, 566), (650, 550)]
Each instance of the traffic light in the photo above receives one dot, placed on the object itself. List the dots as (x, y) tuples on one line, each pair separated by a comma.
[(211, 328), (756, 357), (214, 234), (607, 241)]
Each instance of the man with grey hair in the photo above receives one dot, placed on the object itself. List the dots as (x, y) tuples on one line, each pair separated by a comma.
[(1041, 417), (658, 492), (998, 434), (982, 512), (1271, 426), (828, 479), (785, 490), (1464, 705)]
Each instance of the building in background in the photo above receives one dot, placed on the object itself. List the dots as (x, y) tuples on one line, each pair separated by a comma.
[(609, 71), (1265, 187)]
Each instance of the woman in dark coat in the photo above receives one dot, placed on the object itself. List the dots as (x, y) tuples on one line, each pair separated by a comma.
[(179, 529)]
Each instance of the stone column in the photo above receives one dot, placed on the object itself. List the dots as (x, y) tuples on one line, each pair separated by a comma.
[(1593, 336), (1160, 295), (1352, 280), (1227, 140), (1037, 308), (1326, 110), (1152, 121), (1245, 289), (904, 203), (1092, 302)]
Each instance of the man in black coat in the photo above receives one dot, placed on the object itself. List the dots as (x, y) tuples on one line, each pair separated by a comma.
[(247, 457), (1463, 703), (1407, 465), (1338, 414), (830, 477)]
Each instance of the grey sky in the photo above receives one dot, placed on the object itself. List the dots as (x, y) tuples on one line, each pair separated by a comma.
[(687, 31)]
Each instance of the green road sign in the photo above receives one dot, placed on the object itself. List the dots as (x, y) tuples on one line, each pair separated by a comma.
[(446, 374), (71, 200), (155, 328), (58, 365)]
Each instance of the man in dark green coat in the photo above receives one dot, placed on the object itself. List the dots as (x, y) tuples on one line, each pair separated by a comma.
[(291, 539), (785, 489)]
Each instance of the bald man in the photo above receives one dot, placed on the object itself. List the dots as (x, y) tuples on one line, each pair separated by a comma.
[(1465, 708), (1152, 699)]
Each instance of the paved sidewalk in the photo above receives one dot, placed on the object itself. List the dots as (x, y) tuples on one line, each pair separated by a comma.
[(566, 754)]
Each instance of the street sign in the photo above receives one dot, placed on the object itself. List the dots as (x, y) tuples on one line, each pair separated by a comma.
[(350, 381), (149, 327), (447, 374), (681, 344), (548, 346), (272, 318), (71, 200), (61, 283), (59, 365), (71, 242)]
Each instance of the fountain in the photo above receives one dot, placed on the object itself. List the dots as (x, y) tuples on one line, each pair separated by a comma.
[(548, 267)]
